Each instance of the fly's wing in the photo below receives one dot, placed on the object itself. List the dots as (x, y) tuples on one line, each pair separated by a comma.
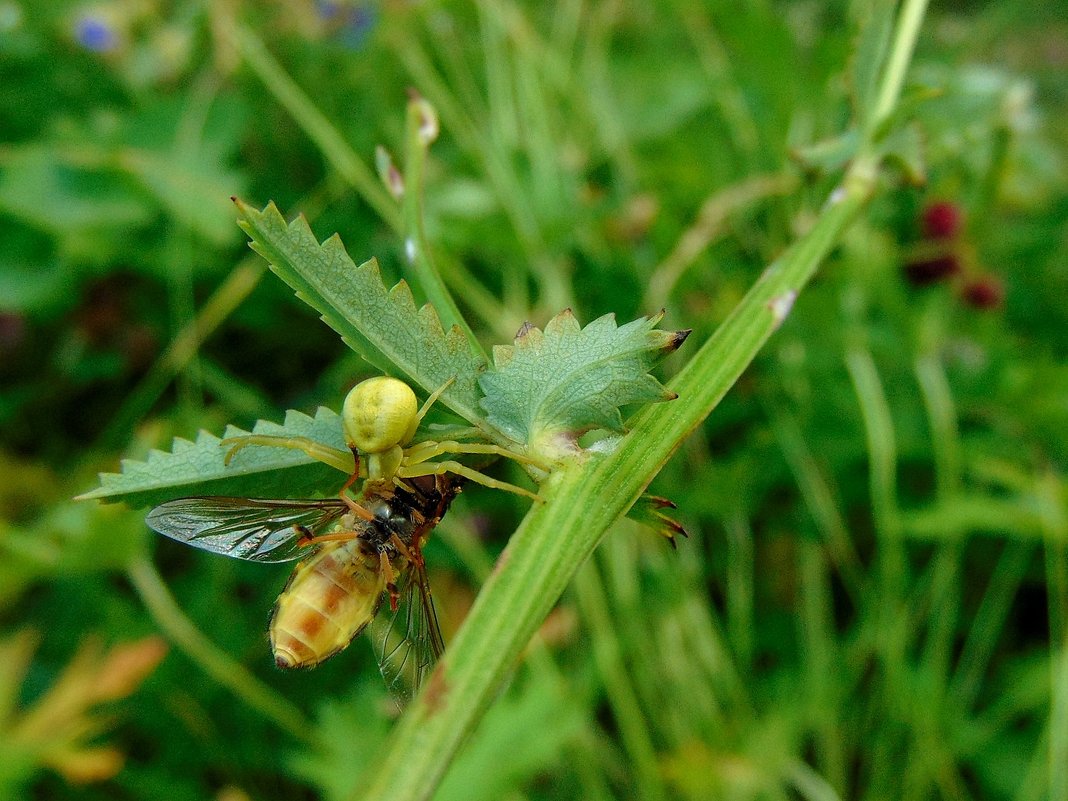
[(258, 530), (408, 642)]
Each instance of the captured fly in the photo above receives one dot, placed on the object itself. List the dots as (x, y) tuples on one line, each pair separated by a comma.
[(349, 565)]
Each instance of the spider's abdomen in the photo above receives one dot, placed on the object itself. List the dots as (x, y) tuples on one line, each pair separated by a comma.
[(379, 414)]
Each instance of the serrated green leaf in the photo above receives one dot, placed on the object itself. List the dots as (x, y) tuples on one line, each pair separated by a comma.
[(649, 511), (197, 467), (383, 326), (565, 380)]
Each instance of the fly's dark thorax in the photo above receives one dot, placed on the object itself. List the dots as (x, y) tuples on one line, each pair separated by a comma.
[(420, 507)]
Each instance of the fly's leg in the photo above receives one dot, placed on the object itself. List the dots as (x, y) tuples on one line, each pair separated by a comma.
[(334, 457), (408, 553), (391, 580), (354, 507), (306, 537)]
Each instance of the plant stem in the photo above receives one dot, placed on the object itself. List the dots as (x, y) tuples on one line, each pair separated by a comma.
[(945, 443), (890, 631), (882, 455), (420, 131), (500, 174), (358, 175), (213, 661), (1051, 490), (908, 30), (988, 623), (314, 123), (820, 500)]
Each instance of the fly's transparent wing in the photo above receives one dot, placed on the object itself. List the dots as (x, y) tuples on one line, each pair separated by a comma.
[(258, 530), (407, 642)]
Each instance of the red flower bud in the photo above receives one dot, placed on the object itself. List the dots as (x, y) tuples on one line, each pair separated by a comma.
[(983, 293), (941, 220)]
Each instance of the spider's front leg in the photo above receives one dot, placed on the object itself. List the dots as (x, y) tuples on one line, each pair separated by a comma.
[(429, 449), (345, 461), (441, 468), (339, 459)]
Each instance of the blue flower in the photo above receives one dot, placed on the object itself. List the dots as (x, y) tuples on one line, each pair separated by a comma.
[(329, 10), (358, 26), (95, 34), (351, 22)]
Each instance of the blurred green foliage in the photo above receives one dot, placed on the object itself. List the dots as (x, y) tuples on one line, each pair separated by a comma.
[(874, 599)]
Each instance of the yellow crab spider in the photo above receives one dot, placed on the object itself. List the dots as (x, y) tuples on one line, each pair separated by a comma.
[(380, 417)]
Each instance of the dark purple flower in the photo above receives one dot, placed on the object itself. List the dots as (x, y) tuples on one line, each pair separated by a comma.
[(931, 270)]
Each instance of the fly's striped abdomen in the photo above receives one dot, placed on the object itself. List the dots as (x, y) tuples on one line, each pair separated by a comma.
[(328, 601)]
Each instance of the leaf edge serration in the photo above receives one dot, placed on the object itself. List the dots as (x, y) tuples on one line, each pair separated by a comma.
[(616, 374), (196, 467), (383, 325)]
